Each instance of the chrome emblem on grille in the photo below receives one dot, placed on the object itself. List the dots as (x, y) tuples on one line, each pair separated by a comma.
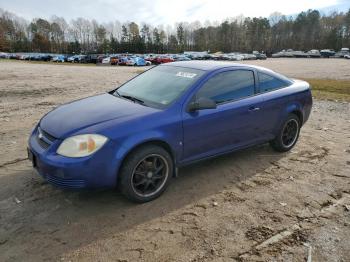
[(40, 135)]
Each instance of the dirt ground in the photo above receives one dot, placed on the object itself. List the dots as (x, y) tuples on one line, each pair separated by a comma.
[(252, 205)]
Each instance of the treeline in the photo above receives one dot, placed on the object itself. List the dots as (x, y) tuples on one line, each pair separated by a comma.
[(308, 30)]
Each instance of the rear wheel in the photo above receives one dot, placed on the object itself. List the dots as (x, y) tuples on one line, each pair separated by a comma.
[(146, 173), (288, 135)]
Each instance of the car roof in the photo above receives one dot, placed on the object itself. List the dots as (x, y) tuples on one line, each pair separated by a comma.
[(211, 65), (216, 65)]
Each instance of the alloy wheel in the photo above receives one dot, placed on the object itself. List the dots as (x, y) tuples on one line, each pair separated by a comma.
[(150, 175), (290, 133)]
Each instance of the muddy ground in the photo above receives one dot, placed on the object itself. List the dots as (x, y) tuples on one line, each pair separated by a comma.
[(252, 205)]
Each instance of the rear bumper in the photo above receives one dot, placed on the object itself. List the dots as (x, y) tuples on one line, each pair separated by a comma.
[(307, 107)]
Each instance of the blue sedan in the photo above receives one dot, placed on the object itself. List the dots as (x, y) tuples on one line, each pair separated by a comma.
[(136, 136)]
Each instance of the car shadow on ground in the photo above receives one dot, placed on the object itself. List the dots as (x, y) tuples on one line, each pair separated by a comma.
[(42, 222)]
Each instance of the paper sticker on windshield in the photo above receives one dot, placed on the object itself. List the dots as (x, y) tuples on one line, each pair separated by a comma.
[(186, 74)]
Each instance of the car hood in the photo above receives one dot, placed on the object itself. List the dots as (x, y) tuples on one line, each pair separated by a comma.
[(80, 114)]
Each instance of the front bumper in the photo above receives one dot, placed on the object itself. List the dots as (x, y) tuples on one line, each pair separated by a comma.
[(96, 171)]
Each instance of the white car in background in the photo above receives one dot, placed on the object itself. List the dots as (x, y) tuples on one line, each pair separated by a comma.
[(235, 57), (106, 60), (3, 55)]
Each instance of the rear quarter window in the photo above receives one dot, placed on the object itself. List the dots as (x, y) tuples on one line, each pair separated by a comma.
[(269, 83)]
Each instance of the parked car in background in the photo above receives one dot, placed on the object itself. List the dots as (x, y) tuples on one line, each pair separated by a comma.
[(106, 60), (4, 55), (73, 59), (12, 56), (33, 57), (344, 51), (114, 59), (314, 53), (137, 61), (131, 61), (249, 57), (235, 57), (46, 58), (212, 57), (150, 58), (59, 58), (23, 57), (327, 53), (259, 56), (347, 56), (79, 59), (300, 54), (91, 58), (181, 58), (224, 57), (193, 55), (162, 59), (100, 58), (122, 60), (83, 59), (136, 136), (284, 53)]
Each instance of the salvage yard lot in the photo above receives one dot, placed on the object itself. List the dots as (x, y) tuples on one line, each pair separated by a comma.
[(225, 209)]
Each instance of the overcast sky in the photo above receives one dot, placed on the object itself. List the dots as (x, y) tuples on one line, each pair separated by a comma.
[(158, 12)]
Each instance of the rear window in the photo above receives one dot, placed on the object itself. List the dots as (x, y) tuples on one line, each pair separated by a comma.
[(269, 83)]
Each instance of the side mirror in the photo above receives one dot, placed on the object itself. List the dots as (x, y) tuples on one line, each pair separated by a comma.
[(201, 103)]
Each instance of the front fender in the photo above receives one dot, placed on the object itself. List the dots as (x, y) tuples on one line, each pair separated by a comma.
[(136, 140)]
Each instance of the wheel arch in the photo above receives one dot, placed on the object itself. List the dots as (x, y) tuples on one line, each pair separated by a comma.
[(296, 109), (158, 142), (299, 114)]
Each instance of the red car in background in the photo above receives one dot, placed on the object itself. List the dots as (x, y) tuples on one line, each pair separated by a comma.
[(162, 59), (151, 58)]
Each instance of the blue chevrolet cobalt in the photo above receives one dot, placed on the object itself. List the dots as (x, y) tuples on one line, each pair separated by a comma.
[(136, 136)]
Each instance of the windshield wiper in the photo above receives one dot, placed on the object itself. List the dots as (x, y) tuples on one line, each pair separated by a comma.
[(134, 99)]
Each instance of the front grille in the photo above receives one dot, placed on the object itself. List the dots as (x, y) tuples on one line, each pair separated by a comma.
[(66, 183), (42, 143), (44, 139), (47, 135)]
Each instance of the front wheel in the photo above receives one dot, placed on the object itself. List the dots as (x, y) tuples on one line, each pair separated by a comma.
[(288, 135), (146, 173)]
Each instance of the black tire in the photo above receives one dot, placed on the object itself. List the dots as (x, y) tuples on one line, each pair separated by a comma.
[(283, 141), (140, 166)]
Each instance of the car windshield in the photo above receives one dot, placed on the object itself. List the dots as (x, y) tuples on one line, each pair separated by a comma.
[(159, 86)]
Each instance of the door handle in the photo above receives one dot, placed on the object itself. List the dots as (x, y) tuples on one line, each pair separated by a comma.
[(253, 108)]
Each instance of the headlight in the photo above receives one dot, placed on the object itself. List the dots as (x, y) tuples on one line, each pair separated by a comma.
[(81, 145)]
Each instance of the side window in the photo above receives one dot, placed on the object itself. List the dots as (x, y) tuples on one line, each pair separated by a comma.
[(268, 83), (227, 86)]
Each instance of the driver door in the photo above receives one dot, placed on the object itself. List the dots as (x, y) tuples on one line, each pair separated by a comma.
[(235, 122)]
